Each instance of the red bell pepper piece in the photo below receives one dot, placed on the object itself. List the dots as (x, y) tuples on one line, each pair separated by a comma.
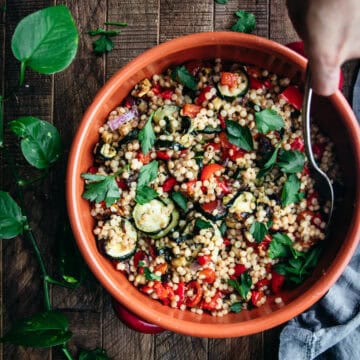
[(267, 83), (162, 155), (262, 282), (202, 96), (306, 170), (238, 270), (190, 187), (194, 66), (210, 206), (209, 170), (277, 281), (265, 242), (180, 292), (191, 110), (208, 275), (167, 94), (129, 102), (226, 241), (93, 170), (211, 306), (156, 89), (162, 292), (298, 144), (203, 259), (169, 184), (215, 146), (255, 83), (121, 184), (139, 256), (293, 96), (198, 293), (230, 79), (256, 296)]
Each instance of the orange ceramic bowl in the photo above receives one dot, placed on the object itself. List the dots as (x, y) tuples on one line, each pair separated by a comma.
[(336, 120)]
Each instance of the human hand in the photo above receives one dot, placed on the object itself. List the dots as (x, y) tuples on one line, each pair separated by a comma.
[(330, 30)]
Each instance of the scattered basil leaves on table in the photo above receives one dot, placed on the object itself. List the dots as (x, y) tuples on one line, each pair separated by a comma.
[(102, 45), (268, 120), (48, 50), (147, 136), (182, 74), (239, 135), (245, 23), (40, 141), (179, 200)]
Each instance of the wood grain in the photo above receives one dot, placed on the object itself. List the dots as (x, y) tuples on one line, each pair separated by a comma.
[(21, 273)]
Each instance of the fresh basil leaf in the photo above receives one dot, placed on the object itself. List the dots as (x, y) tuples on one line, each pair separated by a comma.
[(141, 263), (279, 245), (311, 259), (46, 40), (151, 276), (236, 307), (102, 45), (41, 330), (246, 22), (105, 189), (243, 286), (239, 135), (269, 164), (93, 177), (202, 224), (12, 221), (291, 161), (40, 144), (182, 74), (99, 31), (258, 230), (96, 354), (290, 192), (268, 120), (147, 136), (148, 173), (144, 194), (179, 199)]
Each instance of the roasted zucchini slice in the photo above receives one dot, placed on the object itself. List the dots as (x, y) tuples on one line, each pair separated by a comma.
[(120, 241), (236, 91), (244, 203)]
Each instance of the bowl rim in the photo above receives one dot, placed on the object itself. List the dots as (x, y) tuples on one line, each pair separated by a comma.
[(288, 311)]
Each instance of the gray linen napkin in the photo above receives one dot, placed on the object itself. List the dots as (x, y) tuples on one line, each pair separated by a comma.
[(331, 328)]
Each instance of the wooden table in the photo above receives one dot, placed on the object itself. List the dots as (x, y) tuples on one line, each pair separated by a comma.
[(62, 99)]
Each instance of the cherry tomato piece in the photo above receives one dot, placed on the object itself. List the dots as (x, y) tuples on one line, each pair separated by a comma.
[(169, 184), (230, 79), (209, 170), (208, 275), (191, 110), (198, 292), (277, 281), (203, 259)]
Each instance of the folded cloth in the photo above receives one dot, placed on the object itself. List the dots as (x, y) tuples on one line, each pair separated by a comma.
[(331, 328)]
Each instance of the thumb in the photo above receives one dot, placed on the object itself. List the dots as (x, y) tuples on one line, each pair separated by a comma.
[(325, 76)]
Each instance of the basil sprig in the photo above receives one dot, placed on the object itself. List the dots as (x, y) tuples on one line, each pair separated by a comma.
[(239, 135), (245, 23), (268, 120)]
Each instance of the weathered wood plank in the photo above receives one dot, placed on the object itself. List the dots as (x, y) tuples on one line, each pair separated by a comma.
[(21, 273), (140, 34), (121, 342), (281, 29), (224, 15), (185, 17), (170, 346)]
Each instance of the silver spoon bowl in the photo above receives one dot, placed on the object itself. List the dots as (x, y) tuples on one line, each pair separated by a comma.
[(322, 181)]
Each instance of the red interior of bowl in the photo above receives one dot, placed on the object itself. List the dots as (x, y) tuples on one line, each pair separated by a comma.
[(333, 114)]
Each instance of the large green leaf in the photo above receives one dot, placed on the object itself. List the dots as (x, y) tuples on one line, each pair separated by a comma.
[(46, 40), (41, 330), (40, 144), (11, 219)]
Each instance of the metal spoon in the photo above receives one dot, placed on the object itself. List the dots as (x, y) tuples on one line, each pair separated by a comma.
[(322, 181)]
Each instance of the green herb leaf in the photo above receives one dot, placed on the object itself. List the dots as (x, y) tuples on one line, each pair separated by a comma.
[(258, 230), (290, 192), (41, 330), (269, 164), (96, 354), (40, 144), (181, 74), (223, 228), (148, 173), (279, 246), (202, 224), (246, 22), (141, 263), (147, 136), (114, 23), (151, 276), (102, 188), (239, 135), (102, 45), (291, 161), (11, 219), (180, 200), (236, 307), (104, 32), (243, 286), (52, 47), (268, 120), (144, 194)]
